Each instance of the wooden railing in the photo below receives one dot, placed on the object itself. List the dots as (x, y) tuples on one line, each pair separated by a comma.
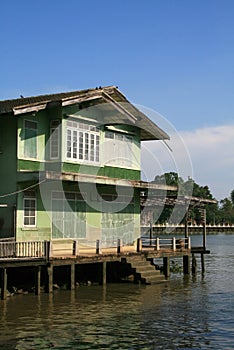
[(73, 248), (166, 243), (27, 249)]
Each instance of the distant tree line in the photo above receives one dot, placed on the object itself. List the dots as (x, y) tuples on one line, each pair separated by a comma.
[(221, 212)]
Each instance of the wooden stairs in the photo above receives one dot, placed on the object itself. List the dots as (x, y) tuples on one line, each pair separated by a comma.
[(144, 272)]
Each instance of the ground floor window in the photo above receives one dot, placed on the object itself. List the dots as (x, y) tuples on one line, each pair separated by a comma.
[(68, 215), (29, 209), (118, 225)]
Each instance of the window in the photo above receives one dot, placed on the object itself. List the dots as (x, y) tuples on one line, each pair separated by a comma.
[(54, 139), (68, 215), (83, 142), (118, 149), (29, 209), (30, 139)]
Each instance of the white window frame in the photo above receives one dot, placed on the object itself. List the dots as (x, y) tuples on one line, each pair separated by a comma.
[(82, 143), (30, 197), (54, 138), (118, 149)]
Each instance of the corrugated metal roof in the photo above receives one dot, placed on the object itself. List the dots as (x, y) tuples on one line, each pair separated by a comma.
[(123, 112)]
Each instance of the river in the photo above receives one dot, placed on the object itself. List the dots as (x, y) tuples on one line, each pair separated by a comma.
[(196, 312)]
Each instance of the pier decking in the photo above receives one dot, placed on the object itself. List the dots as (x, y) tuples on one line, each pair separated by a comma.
[(137, 257)]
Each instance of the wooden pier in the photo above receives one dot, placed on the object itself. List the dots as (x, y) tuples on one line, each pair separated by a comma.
[(44, 258)]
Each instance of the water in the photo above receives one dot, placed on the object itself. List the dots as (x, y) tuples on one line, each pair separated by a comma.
[(185, 313)]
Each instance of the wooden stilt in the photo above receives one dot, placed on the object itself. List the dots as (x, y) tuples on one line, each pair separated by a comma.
[(104, 273), (72, 279), (194, 265), (186, 264), (202, 263), (49, 282), (38, 281), (3, 283), (166, 266)]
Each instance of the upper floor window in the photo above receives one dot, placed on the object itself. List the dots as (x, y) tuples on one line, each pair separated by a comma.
[(30, 139), (54, 139), (83, 142), (29, 208), (118, 149)]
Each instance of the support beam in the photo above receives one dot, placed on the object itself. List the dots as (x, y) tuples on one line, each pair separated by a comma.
[(194, 265), (72, 276), (151, 234), (49, 279), (3, 283), (186, 265), (202, 263), (104, 273), (38, 280), (139, 245), (166, 266), (186, 225)]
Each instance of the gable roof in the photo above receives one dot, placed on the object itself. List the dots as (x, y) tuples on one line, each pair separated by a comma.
[(118, 109)]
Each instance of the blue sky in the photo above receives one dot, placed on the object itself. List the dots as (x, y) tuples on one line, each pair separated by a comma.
[(173, 56)]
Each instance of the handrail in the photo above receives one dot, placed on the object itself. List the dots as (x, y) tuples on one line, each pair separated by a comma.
[(72, 248)]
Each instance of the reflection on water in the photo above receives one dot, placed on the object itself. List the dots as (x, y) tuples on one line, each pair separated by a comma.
[(184, 313)]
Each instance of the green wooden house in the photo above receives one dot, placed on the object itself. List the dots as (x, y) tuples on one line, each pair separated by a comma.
[(70, 166)]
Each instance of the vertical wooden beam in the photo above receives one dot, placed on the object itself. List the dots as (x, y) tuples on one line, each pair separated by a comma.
[(174, 244), (3, 283), (49, 279), (186, 225), (157, 244), (72, 276), (104, 273), (47, 250), (194, 265), (119, 246), (186, 264), (202, 263), (38, 280), (204, 230), (98, 247), (151, 234), (139, 245), (75, 248), (166, 266)]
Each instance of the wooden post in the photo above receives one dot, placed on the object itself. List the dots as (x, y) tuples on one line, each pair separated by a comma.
[(174, 244), (98, 247), (75, 249), (151, 234), (204, 231), (157, 244), (194, 265), (104, 273), (189, 243), (202, 263), (38, 280), (47, 250), (139, 245), (4, 283), (186, 264), (119, 246), (72, 276), (186, 225), (49, 279), (166, 266)]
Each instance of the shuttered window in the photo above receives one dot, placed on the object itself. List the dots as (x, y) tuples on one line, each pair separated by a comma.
[(30, 139), (54, 139)]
